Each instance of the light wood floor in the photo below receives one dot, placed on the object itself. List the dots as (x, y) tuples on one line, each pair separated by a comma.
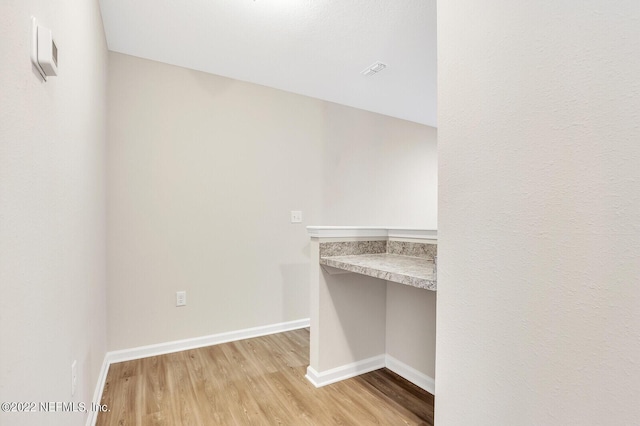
[(254, 382)]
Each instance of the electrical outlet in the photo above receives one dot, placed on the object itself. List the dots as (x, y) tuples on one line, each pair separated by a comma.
[(181, 298), (74, 377), (296, 216)]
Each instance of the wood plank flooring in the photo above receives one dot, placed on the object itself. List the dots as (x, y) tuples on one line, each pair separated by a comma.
[(256, 381)]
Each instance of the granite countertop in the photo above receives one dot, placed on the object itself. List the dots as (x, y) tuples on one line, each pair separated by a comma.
[(414, 271)]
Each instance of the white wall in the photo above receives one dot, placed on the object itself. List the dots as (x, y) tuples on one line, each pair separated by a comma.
[(411, 327), (539, 221), (378, 170), (348, 314), (52, 209), (382, 171), (203, 173)]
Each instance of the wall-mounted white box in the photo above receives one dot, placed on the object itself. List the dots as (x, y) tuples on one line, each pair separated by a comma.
[(44, 52)]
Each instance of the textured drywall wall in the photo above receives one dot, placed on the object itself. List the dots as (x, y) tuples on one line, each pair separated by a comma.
[(203, 173), (52, 210), (539, 213), (411, 327), (379, 171)]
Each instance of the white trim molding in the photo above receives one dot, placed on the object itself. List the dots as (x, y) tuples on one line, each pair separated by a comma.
[(411, 374), (347, 231), (183, 345), (344, 372), (319, 379), (199, 342), (421, 234), (371, 232), (97, 393)]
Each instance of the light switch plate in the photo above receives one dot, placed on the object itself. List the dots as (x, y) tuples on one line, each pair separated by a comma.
[(296, 216)]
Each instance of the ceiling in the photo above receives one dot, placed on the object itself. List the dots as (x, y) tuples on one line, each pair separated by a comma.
[(316, 48)]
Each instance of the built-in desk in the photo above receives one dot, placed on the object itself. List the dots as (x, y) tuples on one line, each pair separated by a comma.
[(414, 271), (350, 270)]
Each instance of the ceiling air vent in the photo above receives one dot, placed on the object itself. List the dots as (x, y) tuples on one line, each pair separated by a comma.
[(373, 69)]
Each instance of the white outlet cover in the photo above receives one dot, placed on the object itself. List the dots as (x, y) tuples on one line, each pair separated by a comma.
[(181, 298)]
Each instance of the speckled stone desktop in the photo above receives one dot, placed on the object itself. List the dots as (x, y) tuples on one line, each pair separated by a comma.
[(398, 261)]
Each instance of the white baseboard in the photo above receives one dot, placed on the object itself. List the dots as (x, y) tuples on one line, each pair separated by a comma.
[(183, 345), (370, 364), (97, 393), (344, 372), (199, 342), (411, 374)]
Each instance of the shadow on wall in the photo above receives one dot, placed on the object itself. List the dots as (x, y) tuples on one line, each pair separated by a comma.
[(360, 306)]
